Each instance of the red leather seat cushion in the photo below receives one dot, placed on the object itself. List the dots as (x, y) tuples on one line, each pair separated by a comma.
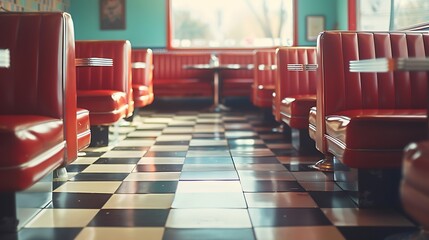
[(378, 128), (103, 101), (237, 87), (295, 110), (83, 128), (23, 135), (140, 90), (263, 96)]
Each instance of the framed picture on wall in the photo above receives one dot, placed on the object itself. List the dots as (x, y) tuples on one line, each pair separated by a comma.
[(112, 14), (314, 25)]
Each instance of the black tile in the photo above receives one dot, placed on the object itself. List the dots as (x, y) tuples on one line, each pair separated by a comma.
[(79, 200), (131, 148), (300, 167), (42, 233), (248, 148), (250, 160), (284, 152), (117, 161), (130, 218), (76, 167), (208, 160), (100, 177), (269, 217), (335, 199), (208, 234), (159, 168), (208, 148), (377, 233), (271, 186), (165, 154), (148, 187), (172, 143)]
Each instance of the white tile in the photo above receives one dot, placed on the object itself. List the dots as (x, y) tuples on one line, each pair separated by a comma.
[(66, 218), (208, 218), (161, 160), (153, 176), (139, 201), (208, 186), (109, 168), (89, 187), (112, 233), (123, 154)]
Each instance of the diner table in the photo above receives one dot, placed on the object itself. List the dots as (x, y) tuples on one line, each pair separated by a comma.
[(4, 58), (216, 69)]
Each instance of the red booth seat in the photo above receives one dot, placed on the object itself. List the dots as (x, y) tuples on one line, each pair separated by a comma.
[(142, 77), (236, 83), (105, 91), (295, 90), (83, 129), (264, 77), (38, 95), (170, 79), (366, 119)]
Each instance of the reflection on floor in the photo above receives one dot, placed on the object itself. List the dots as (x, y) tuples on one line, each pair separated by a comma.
[(180, 173)]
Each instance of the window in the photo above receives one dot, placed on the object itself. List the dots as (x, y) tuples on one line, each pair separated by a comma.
[(231, 23), (381, 15)]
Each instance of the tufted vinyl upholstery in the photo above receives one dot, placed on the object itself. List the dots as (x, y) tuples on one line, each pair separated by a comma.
[(264, 78), (142, 78), (38, 110), (105, 91), (236, 83), (366, 119), (295, 90), (170, 79)]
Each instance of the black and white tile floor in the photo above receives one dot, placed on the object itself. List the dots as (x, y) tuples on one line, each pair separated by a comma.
[(181, 174)]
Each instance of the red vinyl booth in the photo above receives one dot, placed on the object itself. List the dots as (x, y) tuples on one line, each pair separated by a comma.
[(38, 116), (366, 119), (142, 77), (105, 90), (264, 78), (296, 92)]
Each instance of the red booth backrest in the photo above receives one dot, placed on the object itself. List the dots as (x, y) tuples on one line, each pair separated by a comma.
[(106, 78), (264, 76), (394, 90), (236, 58), (169, 66), (143, 77)]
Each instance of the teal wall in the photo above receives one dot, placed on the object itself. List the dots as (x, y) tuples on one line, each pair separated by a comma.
[(342, 14), (145, 22), (327, 8)]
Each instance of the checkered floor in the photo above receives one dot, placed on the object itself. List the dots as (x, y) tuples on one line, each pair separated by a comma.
[(181, 174)]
